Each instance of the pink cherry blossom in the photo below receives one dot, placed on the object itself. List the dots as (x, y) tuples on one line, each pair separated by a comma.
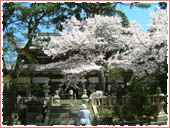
[(143, 52)]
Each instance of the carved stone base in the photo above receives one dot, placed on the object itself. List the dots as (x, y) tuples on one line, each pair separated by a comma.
[(162, 117), (55, 102), (84, 100)]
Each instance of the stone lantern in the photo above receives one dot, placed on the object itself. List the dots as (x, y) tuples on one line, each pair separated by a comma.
[(160, 102), (46, 88), (15, 118)]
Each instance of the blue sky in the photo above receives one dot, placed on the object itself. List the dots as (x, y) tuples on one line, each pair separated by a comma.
[(142, 16)]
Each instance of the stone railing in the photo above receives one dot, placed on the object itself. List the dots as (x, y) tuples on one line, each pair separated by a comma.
[(98, 104), (104, 102), (159, 101)]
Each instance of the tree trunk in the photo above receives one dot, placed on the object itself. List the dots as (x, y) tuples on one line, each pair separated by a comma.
[(9, 99), (102, 81)]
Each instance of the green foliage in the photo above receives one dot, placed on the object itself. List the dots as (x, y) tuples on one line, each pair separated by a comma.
[(162, 78), (37, 90), (36, 87), (113, 75), (142, 104), (125, 76), (9, 10), (119, 73), (106, 113), (106, 117), (163, 5), (141, 5)]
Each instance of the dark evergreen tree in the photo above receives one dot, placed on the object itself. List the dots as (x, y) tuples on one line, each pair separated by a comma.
[(163, 5)]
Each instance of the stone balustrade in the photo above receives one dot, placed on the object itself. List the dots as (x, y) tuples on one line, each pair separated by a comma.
[(159, 100), (104, 102), (111, 101)]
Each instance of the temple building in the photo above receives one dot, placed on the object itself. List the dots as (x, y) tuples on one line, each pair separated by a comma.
[(30, 74), (42, 101)]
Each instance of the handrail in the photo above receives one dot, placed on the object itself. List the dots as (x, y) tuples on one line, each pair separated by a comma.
[(94, 107), (96, 114)]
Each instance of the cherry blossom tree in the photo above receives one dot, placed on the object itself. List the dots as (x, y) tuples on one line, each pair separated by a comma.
[(102, 43), (148, 51), (92, 38)]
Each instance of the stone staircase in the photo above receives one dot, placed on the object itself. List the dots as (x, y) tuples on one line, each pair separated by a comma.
[(66, 113)]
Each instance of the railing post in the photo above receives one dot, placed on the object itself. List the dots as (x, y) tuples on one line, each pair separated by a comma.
[(55, 101)]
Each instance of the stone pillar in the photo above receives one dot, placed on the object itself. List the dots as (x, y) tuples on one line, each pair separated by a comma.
[(84, 97)]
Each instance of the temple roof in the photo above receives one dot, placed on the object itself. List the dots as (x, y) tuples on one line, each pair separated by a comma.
[(42, 40)]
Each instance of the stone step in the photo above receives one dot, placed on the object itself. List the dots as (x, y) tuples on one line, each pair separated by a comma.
[(59, 111), (63, 115), (67, 119), (74, 109), (63, 121), (67, 113), (73, 114), (77, 111), (65, 104), (64, 111), (66, 122), (55, 119), (60, 108), (70, 101), (78, 107)]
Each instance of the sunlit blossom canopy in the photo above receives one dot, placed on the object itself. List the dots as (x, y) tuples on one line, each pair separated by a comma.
[(143, 52)]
